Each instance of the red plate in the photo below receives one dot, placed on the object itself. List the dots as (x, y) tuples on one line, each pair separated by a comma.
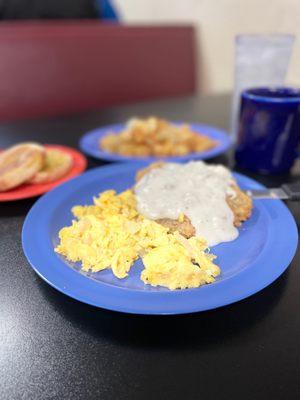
[(31, 190)]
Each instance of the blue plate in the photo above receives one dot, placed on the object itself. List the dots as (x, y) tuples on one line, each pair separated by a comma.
[(89, 144), (261, 253)]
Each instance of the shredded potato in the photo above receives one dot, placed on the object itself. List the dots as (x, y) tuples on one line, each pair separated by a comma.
[(155, 137)]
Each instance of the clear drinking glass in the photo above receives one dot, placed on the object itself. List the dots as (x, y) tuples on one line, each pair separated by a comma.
[(260, 60)]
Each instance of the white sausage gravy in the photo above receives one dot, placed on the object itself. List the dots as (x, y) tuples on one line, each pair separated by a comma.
[(195, 189)]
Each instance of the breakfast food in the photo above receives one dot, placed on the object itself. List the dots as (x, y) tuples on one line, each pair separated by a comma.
[(183, 224), (112, 234), (155, 137), (194, 199), (19, 164), (168, 219), (56, 165), (32, 163)]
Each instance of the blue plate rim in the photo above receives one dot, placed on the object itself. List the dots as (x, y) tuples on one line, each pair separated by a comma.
[(67, 275), (225, 143)]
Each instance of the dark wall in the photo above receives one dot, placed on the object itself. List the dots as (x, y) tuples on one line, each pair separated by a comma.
[(47, 9)]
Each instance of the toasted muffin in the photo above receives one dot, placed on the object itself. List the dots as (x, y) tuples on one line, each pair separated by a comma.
[(57, 164), (20, 163)]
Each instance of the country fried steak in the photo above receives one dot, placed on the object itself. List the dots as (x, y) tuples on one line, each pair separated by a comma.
[(240, 204)]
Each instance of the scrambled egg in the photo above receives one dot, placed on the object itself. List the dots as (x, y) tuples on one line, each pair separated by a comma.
[(112, 234)]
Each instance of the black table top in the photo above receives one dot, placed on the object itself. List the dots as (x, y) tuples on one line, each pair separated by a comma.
[(53, 347)]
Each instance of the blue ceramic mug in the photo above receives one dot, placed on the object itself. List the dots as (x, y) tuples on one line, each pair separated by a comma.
[(269, 129)]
